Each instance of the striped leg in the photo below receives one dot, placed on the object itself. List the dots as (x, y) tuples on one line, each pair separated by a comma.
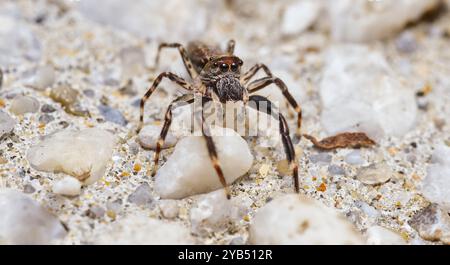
[(189, 99), (284, 131), (266, 81), (174, 78), (187, 62), (212, 151), (252, 72), (230, 47)]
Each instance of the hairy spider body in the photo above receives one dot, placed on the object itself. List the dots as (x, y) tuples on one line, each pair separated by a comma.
[(217, 76)]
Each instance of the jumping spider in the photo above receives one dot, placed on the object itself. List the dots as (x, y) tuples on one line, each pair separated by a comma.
[(216, 76)]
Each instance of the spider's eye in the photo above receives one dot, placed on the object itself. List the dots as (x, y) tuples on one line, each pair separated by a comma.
[(215, 65), (234, 67), (241, 62), (224, 67)]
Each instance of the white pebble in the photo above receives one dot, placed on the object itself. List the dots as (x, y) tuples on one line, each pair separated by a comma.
[(213, 212), (359, 93), (436, 185), (67, 186), (139, 229), (300, 15), (44, 77), (24, 221), (296, 219), (354, 158), (378, 235), (375, 174), (373, 20), (169, 208), (189, 170), (149, 135), (24, 104), (81, 154)]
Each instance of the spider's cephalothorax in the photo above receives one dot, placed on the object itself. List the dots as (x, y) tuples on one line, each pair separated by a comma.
[(216, 75), (222, 76)]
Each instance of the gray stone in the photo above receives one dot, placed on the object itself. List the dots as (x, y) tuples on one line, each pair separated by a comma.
[(336, 170), (432, 223), (6, 123), (112, 115), (320, 158), (142, 196)]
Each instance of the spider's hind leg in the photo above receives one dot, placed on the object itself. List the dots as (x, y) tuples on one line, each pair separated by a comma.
[(284, 131), (266, 81), (186, 60)]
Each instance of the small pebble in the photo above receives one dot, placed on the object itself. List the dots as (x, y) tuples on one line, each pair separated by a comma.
[(67, 186), (375, 174), (320, 158), (213, 212), (24, 104), (65, 95), (406, 42), (354, 158), (6, 123), (432, 223), (28, 189), (169, 208), (112, 115), (149, 135), (89, 93), (142, 196), (46, 118), (336, 170), (44, 77), (95, 212), (47, 108)]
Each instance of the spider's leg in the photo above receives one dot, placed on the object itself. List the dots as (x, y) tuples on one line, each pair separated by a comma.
[(230, 47), (187, 62), (284, 131), (174, 78), (212, 151), (188, 99), (252, 72), (266, 81)]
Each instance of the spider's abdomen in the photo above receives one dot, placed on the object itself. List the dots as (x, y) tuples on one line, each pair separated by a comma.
[(229, 88), (199, 53)]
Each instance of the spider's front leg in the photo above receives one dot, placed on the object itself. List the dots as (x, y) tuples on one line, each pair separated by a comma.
[(252, 72), (266, 81), (188, 99), (284, 131), (174, 78), (187, 62)]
